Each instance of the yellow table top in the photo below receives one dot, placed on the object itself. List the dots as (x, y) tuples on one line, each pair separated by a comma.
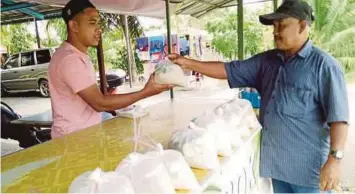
[(53, 165)]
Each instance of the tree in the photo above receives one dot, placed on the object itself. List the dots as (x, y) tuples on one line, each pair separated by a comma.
[(121, 61), (16, 38), (58, 25), (334, 29), (225, 34), (135, 30)]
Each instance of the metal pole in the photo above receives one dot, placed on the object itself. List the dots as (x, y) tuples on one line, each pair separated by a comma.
[(37, 35), (167, 11), (275, 5), (129, 50), (100, 58), (240, 30)]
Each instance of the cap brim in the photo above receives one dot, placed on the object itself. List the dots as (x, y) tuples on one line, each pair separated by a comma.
[(268, 19)]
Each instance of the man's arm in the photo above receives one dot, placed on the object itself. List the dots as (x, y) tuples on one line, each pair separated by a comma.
[(101, 103), (210, 69), (241, 73), (334, 101), (331, 173), (338, 135)]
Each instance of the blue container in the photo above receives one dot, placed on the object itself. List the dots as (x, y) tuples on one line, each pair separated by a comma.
[(253, 97)]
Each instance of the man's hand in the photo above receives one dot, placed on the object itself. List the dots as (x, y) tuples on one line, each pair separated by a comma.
[(152, 88), (177, 59), (330, 175)]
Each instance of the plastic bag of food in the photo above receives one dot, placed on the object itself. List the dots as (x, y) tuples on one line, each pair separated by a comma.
[(232, 115), (147, 174), (198, 148), (217, 127), (180, 172), (167, 72), (249, 116), (101, 182)]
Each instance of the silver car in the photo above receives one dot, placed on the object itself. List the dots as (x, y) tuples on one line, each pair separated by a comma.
[(27, 71)]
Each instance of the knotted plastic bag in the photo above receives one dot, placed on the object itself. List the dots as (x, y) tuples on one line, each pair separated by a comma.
[(147, 174), (98, 181), (180, 172), (167, 72), (218, 128), (249, 116), (198, 148)]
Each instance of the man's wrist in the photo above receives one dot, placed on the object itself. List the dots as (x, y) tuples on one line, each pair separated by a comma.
[(335, 155)]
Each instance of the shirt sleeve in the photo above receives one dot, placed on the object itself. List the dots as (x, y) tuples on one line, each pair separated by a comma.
[(76, 74), (333, 94), (244, 73)]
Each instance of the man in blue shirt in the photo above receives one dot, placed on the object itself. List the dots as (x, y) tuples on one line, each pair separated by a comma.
[(304, 105)]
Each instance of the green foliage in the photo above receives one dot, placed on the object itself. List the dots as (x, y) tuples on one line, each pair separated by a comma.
[(121, 60), (16, 38), (334, 29), (225, 34), (59, 27)]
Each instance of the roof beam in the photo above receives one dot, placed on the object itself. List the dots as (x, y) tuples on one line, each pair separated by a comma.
[(47, 16), (202, 12), (181, 10), (27, 11), (15, 6), (247, 3)]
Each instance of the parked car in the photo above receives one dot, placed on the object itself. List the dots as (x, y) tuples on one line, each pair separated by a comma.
[(27, 71), (114, 77)]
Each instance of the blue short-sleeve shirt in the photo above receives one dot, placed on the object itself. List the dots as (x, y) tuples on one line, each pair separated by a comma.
[(299, 98)]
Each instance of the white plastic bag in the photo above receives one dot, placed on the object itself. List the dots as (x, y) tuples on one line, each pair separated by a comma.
[(233, 115), (180, 172), (167, 72), (249, 116), (198, 148), (217, 127), (147, 174), (101, 182)]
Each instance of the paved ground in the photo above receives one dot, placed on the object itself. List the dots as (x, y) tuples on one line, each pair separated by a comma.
[(31, 103)]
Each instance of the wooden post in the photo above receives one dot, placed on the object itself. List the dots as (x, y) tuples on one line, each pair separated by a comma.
[(100, 59), (37, 34)]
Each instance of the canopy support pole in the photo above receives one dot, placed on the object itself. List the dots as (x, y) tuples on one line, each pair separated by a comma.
[(167, 11), (129, 50)]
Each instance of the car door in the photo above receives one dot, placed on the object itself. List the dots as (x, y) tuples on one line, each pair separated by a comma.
[(43, 58), (27, 75), (10, 72)]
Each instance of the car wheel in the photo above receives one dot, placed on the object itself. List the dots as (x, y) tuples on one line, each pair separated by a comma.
[(44, 88)]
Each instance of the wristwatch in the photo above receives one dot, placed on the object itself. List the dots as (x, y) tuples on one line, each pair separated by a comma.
[(337, 154)]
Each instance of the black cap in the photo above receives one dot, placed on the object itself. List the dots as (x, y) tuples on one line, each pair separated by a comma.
[(74, 7), (289, 8)]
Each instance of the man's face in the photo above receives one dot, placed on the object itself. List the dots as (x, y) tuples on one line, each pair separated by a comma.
[(287, 33), (87, 27)]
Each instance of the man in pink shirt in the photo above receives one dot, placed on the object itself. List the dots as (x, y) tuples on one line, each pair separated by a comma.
[(75, 97)]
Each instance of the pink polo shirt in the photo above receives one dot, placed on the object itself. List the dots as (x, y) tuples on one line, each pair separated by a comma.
[(69, 72)]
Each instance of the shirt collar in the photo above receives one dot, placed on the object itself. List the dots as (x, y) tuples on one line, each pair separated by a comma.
[(73, 48), (304, 52)]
